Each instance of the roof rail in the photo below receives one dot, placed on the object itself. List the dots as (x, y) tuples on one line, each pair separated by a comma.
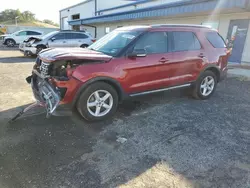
[(73, 31), (180, 25)]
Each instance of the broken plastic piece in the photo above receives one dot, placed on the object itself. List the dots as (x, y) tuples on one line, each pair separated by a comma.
[(37, 103)]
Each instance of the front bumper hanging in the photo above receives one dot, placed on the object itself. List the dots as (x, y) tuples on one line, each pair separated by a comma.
[(44, 92)]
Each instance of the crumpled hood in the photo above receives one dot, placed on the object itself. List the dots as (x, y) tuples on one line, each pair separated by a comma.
[(50, 55), (33, 38)]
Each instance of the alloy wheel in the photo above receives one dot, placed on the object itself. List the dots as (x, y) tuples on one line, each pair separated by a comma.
[(207, 86), (100, 103), (10, 43)]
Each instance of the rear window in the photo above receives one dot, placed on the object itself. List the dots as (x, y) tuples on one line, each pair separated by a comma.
[(216, 40)]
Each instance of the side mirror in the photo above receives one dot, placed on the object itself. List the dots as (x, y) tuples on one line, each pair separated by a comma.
[(137, 53), (52, 39)]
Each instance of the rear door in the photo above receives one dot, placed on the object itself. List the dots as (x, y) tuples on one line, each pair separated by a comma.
[(185, 58), (81, 39)]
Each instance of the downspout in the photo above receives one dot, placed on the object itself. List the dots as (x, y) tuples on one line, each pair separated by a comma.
[(95, 7)]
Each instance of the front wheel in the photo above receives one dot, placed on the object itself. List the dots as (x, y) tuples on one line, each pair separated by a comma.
[(98, 102), (205, 85), (10, 42)]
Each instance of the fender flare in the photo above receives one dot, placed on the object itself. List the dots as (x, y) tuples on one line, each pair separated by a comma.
[(5, 39), (213, 68), (117, 86)]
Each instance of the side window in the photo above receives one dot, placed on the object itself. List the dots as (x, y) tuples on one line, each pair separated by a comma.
[(153, 43), (59, 36), (79, 36), (69, 36), (185, 41), (216, 40), (22, 33), (33, 33)]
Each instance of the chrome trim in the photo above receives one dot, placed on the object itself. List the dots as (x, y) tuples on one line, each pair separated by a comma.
[(159, 90)]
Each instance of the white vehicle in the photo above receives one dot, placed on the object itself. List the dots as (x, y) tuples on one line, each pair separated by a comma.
[(56, 39), (19, 36)]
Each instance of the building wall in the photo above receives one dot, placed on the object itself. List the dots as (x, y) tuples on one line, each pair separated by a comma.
[(86, 10), (222, 20), (114, 3)]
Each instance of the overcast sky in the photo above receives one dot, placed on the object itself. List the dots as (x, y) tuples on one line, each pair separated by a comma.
[(44, 9)]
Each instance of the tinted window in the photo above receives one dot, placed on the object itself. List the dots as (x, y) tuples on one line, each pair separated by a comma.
[(216, 40), (22, 33), (68, 35), (79, 36), (59, 36), (33, 33), (185, 41), (152, 43)]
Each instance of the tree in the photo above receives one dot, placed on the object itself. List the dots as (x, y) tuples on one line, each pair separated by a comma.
[(10, 15), (50, 22)]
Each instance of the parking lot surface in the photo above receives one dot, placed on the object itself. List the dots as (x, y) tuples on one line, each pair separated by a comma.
[(162, 140)]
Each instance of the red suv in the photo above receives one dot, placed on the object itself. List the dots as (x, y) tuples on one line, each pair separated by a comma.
[(128, 62)]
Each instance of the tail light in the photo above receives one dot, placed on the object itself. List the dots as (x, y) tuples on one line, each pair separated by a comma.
[(93, 40)]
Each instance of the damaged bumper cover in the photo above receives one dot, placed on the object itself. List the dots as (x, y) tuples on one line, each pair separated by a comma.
[(44, 92)]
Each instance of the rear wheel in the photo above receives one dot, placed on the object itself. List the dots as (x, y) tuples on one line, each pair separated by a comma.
[(10, 42), (205, 85), (98, 102), (84, 46)]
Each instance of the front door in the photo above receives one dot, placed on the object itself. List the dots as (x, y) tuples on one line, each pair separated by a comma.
[(58, 41), (144, 73), (236, 38)]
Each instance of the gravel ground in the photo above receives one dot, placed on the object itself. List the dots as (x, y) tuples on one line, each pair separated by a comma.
[(161, 140)]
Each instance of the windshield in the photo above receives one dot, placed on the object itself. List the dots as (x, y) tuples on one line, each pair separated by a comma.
[(114, 42), (49, 34)]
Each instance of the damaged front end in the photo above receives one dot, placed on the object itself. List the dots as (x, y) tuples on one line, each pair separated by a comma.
[(45, 79), (44, 91), (53, 78)]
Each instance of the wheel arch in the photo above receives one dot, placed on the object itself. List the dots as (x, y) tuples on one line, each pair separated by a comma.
[(114, 83), (215, 70), (84, 45), (6, 39)]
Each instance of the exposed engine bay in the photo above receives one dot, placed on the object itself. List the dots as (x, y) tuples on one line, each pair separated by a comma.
[(60, 69)]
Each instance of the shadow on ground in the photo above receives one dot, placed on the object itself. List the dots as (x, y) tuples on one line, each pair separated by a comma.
[(17, 59), (170, 141)]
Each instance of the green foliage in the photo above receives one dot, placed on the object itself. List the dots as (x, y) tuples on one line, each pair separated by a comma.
[(50, 22), (9, 16)]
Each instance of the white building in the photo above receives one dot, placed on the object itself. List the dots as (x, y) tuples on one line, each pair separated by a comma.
[(229, 17)]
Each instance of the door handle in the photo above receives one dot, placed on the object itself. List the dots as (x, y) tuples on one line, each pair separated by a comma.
[(163, 60), (201, 55), (64, 41)]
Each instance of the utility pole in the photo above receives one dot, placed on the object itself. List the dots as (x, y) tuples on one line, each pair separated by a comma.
[(16, 20)]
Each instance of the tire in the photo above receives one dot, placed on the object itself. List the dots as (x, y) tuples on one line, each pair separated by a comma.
[(39, 49), (84, 46), (205, 86), (10, 42), (88, 102)]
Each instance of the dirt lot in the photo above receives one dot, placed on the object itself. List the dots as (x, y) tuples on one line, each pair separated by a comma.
[(171, 140)]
